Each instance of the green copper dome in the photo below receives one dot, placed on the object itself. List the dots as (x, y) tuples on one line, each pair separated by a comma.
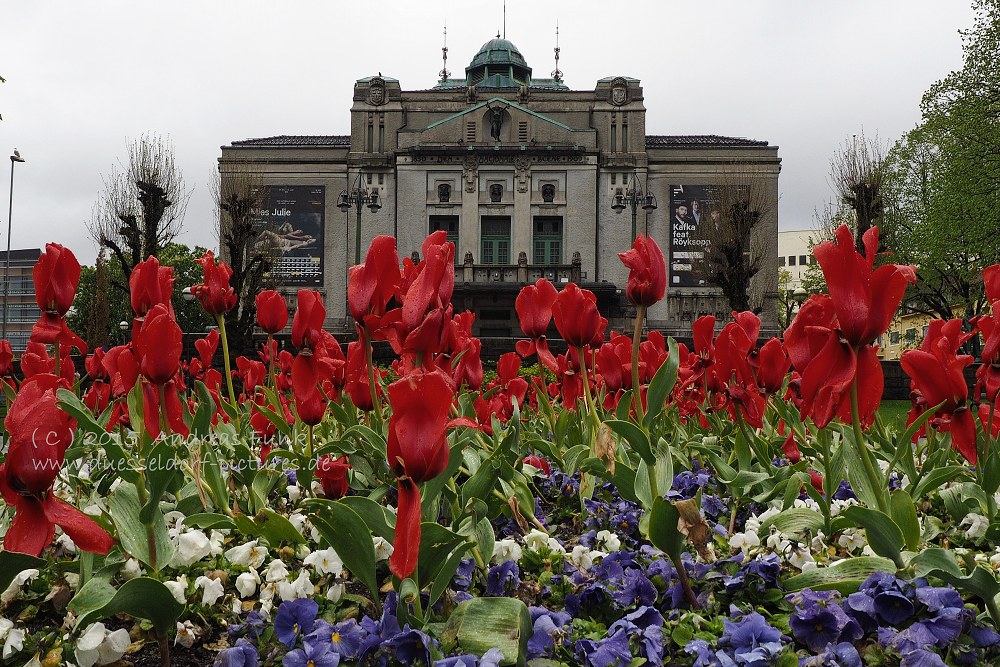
[(498, 65)]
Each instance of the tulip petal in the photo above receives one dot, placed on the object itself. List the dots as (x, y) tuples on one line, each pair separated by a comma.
[(84, 531), (30, 532), (406, 545)]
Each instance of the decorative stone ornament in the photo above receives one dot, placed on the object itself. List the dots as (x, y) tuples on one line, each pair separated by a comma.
[(376, 91), (619, 91)]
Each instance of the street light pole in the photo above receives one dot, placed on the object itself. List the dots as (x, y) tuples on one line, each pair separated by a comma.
[(359, 197), (16, 157), (634, 198)]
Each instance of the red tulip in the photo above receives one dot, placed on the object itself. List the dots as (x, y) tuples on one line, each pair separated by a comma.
[(647, 278), (215, 294), (540, 463), (36, 360), (577, 318), (272, 311), (332, 474), (417, 450), (772, 366), (6, 358), (307, 324), (937, 377), (151, 284), (123, 369), (991, 281), (170, 411), (988, 373), (370, 286), (158, 345), (308, 371), (56, 276), (252, 374), (534, 310), (865, 298), (39, 435), (433, 286)]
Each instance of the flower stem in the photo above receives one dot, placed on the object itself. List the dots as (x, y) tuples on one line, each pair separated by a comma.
[(376, 402), (271, 354), (225, 359), (640, 314), (866, 459)]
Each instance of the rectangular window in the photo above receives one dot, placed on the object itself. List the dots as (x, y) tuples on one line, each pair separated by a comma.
[(893, 338), (803, 260), (369, 144), (449, 223), (495, 240), (614, 138), (624, 137), (381, 138), (470, 131), (910, 335), (781, 261), (791, 260), (522, 131), (548, 240)]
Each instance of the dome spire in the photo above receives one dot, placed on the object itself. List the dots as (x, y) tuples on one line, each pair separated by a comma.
[(557, 74), (444, 73)]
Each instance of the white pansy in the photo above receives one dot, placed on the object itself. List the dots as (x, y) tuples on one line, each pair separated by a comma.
[(744, 541), (131, 569), (276, 571), (335, 592), (178, 588), (113, 647), (217, 538), (383, 549), (808, 503), (536, 540), (302, 552), (302, 587), (977, 523), (174, 519), (768, 513), (266, 598), (326, 561), (5, 626), (608, 540), (13, 642), (192, 546), (65, 542), (838, 506), (187, 632), (23, 577), (247, 555), (506, 549), (299, 521), (72, 580), (776, 540), (581, 558), (294, 492), (852, 539), (818, 543), (799, 557), (247, 583), (213, 589), (87, 645), (316, 488)]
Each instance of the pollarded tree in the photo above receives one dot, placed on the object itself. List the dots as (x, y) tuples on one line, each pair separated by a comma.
[(737, 251), (142, 207), (239, 193), (857, 173)]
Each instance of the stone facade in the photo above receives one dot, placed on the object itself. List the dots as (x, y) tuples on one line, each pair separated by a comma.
[(522, 172)]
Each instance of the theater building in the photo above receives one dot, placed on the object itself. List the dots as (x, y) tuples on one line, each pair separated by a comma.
[(527, 176)]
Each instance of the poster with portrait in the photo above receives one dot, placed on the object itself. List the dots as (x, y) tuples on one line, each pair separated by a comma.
[(693, 212), (291, 225)]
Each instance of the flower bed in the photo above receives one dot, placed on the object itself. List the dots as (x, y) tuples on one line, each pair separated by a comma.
[(630, 502)]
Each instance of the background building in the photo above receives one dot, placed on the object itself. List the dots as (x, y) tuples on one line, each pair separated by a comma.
[(22, 310), (794, 256), (522, 172)]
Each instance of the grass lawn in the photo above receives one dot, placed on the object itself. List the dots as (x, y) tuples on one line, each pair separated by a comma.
[(893, 413)]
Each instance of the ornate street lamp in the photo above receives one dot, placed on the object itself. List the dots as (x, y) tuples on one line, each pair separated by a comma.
[(359, 197), (634, 198), (16, 157)]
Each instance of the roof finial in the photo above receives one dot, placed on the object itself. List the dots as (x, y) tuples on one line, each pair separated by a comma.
[(444, 73), (557, 74), (505, 19)]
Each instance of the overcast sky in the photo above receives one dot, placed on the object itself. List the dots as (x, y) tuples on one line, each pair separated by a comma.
[(82, 77)]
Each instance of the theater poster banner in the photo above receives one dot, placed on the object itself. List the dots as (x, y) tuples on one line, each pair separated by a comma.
[(692, 208), (292, 228)]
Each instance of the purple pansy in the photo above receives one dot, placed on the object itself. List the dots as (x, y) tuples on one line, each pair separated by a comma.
[(503, 579), (243, 654), (317, 655), (345, 638), (295, 618)]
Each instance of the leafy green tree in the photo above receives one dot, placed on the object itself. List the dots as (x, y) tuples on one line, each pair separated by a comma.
[(86, 315), (944, 176)]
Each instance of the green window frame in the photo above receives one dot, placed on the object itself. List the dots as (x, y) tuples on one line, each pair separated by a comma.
[(547, 243), (495, 240), (449, 223)]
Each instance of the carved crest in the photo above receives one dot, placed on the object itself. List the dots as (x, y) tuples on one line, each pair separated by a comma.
[(376, 91), (619, 91), (470, 169)]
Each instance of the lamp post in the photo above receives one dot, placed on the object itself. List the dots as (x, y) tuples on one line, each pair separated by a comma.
[(635, 198), (359, 197), (16, 157), (124, 325)]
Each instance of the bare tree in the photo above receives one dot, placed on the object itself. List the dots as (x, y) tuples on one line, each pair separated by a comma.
[(240, 193), (858, 175), (142, 206), (737, 251)]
